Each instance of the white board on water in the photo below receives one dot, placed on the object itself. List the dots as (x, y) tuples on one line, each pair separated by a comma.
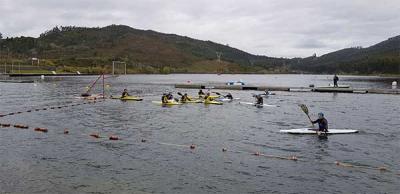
[(313, 131), (254, 104)]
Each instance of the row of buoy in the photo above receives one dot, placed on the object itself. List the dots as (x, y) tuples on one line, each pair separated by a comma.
[(49, 108), (194, 146)]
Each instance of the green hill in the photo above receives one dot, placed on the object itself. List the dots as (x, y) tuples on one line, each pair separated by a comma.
[(382, 58), (93, 49)]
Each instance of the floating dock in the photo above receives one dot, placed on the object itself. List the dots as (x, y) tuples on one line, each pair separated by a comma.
[(290, 89), (16, 81)]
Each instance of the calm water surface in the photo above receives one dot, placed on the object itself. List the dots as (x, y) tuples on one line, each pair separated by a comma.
[(33, 162)]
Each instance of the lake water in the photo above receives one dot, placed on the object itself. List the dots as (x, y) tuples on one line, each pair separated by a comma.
[(35, 162)]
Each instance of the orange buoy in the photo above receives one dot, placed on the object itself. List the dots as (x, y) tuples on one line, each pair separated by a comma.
[(113, 137), (224, 149), (66, 131), (192, 146), (44, 130), (95, 135)]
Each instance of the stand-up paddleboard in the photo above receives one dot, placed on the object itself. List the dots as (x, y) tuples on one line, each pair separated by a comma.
[(167, 104), (313, 131), (254, 104)]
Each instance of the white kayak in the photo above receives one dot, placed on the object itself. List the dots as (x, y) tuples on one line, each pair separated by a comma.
[(254, 104), (313, 131), (226, 99)]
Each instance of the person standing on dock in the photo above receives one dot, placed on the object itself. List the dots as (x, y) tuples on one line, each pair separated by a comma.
[(335, 80)]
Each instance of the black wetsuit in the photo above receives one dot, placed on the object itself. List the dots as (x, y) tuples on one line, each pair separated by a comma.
[(260, 100), (335, 80), (322, 124), (124, 94)]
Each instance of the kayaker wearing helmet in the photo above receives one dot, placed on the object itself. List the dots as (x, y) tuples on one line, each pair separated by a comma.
[(125, 93), (164, 98), (170, 96), (229, 96), (259, 100), (185, 98), (201, 93), (208, 97), (322, 122)]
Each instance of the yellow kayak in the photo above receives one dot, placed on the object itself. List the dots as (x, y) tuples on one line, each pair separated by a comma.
[(171, 102), (212, 97), (134, 98), (213, 102), (192, 101)]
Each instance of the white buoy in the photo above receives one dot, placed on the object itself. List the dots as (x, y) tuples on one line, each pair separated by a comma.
[(42, 77), (394, 84)]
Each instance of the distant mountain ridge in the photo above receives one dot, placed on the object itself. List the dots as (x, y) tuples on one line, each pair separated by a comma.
[(92, 50)]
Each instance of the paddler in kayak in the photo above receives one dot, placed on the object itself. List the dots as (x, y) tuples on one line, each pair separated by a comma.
[(201, 93), (208, 97), (259, 100), (170, 96), (125, 93), (185, 98), (322, 123), (164, 98), (229, 96)]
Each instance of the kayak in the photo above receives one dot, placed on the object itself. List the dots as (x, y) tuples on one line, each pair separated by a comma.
[(191, 101), (259, 105), (226, 99), (212, 97), (134, 98), (168, 103), (313, 131), (213, 102)]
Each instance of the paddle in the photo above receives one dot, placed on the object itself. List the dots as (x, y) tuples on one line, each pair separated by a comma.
[(305, 110), (219, 94)]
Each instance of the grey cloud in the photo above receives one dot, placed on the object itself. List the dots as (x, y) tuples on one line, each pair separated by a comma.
[(269, 27)]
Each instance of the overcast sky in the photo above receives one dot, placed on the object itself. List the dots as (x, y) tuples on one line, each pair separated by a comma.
[(281, 28)]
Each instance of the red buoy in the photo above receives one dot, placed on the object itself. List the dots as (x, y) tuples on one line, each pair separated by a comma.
[(44, 130), (95, 135)]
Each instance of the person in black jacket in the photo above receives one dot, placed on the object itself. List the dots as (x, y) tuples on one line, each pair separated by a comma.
[(335, 80)]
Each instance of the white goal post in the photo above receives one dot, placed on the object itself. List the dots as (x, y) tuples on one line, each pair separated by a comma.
[(116, 65)]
